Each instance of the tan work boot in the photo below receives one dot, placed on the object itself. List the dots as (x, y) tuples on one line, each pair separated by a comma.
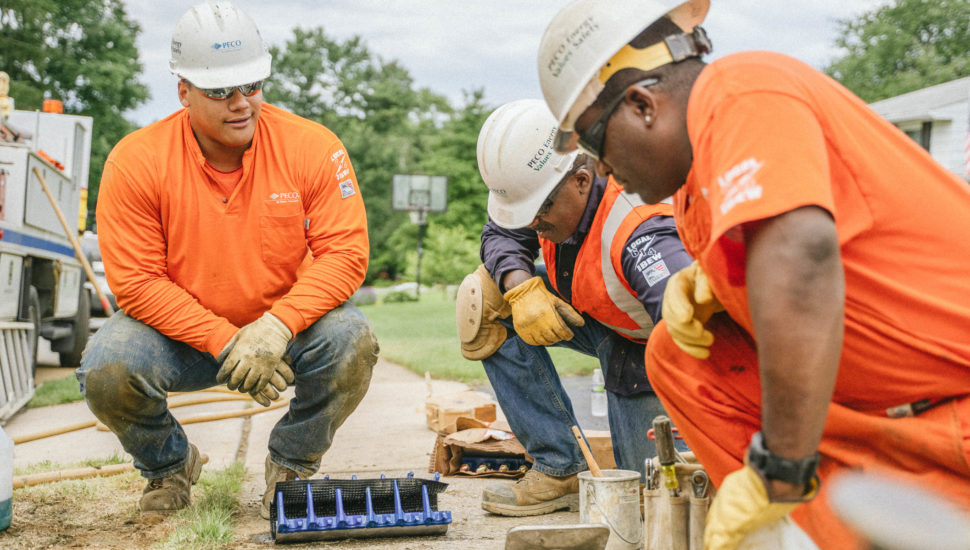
[(533, 495), (165, 495), (273, 473)]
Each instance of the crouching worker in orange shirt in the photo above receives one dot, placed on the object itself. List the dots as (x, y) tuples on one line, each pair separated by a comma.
[(838, 248), (232, 233)]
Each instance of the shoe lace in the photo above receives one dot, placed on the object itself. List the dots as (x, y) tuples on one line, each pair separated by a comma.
[(156, 483), (530, 477)]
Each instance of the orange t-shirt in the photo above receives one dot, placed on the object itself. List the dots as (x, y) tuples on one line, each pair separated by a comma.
[(771, 134), (184, 258)]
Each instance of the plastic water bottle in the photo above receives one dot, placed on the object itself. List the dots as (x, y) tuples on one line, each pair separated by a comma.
[(597, 396), (6, 480)]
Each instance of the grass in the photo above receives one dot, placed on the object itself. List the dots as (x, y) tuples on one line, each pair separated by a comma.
[(55, 392), (208, 522), (418, 335), (48, 466), (422, 336)]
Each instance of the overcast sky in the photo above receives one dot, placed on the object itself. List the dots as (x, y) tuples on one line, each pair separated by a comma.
[(450, 46)]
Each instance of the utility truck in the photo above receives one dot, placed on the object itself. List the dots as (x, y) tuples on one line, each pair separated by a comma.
[(42, 291)]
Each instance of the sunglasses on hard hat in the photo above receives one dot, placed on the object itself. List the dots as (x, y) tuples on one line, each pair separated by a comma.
[(225, 93), (591, 140)]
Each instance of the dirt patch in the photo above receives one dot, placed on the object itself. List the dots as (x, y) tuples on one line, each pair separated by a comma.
[(90, 513), (386, 434), (103, 513)]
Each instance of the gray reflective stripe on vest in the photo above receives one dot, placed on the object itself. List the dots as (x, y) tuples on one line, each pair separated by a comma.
[(622, 298)]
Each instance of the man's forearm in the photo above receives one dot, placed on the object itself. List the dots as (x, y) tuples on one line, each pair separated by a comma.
[(507, 250), (514, 278), (796, 294)]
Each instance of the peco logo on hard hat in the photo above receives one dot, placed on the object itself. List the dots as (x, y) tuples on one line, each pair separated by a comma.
[(542, 155), (228, 45), (570, 43)]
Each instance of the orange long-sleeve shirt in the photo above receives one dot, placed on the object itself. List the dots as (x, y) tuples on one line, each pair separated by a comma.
[(196, 265)]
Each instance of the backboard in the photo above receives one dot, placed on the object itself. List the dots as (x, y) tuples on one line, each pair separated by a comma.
[(419, 192)]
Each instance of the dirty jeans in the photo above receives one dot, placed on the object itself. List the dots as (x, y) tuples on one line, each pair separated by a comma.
[(541, 415), (128, 369)]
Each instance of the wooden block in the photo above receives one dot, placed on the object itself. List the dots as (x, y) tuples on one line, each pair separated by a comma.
[(601, 446), (442, 410)]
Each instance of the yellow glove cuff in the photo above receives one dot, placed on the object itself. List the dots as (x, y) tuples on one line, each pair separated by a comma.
[(742, 507), (514, 295)]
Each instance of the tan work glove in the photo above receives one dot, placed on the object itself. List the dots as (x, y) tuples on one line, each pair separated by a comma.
[(478, 306), (741, 507), (255, 356), (539, 317), (269, 394), (688, 304)]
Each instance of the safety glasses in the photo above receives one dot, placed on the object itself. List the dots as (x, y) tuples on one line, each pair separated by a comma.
[(546, 205), (591, 140), (225, 93)]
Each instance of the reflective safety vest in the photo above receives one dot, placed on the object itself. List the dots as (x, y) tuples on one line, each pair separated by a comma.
[(599, 287)]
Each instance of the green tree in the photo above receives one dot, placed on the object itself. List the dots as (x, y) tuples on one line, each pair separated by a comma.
[(81, 52), (449, 255), (903, 46), (388, 126)]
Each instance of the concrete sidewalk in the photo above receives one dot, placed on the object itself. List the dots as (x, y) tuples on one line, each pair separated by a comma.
[(392, 411), (385, 434)]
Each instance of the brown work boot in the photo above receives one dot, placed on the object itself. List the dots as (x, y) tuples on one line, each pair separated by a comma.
[(533, 495), (165, 495), (274, 472)]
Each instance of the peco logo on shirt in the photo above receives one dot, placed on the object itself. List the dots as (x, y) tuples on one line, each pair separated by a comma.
[(739, 185), (284, 197)]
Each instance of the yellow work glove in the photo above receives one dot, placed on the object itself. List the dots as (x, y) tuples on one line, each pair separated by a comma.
[(688, 304), (741, 507), (539, 317), (254, 358)]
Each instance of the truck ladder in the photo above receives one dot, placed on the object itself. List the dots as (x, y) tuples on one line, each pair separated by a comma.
[(16, 372)]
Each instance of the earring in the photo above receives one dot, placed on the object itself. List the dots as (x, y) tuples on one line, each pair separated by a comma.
[(648, 119)]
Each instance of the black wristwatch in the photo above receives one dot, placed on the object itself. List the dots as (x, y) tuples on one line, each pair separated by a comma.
[(772, 466)]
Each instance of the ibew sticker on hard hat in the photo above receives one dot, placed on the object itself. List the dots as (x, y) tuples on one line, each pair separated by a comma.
[(346, 189), (228, 45)]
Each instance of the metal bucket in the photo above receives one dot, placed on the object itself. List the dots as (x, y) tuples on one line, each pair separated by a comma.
[(613, 500)]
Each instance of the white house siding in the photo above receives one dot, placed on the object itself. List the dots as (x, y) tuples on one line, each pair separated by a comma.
[(947, 107)]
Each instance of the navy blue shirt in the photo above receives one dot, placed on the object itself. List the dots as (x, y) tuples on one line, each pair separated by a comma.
[(651, 254)]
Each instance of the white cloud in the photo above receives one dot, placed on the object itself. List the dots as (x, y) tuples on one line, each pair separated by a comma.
[(451, 46)]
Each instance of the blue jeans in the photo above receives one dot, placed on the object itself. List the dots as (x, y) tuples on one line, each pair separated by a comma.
[(128, 369), (539, 411)]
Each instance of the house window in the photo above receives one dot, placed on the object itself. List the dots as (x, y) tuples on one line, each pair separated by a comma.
[(922, 134)]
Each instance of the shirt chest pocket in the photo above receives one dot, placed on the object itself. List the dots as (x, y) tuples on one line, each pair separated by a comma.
[(282, 240)]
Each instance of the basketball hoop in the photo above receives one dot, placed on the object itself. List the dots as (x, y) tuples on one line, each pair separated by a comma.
[(419, 217)]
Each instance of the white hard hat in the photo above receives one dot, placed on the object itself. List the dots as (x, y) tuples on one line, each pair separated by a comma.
[(585, 35), (216, 45), (517, 161)]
